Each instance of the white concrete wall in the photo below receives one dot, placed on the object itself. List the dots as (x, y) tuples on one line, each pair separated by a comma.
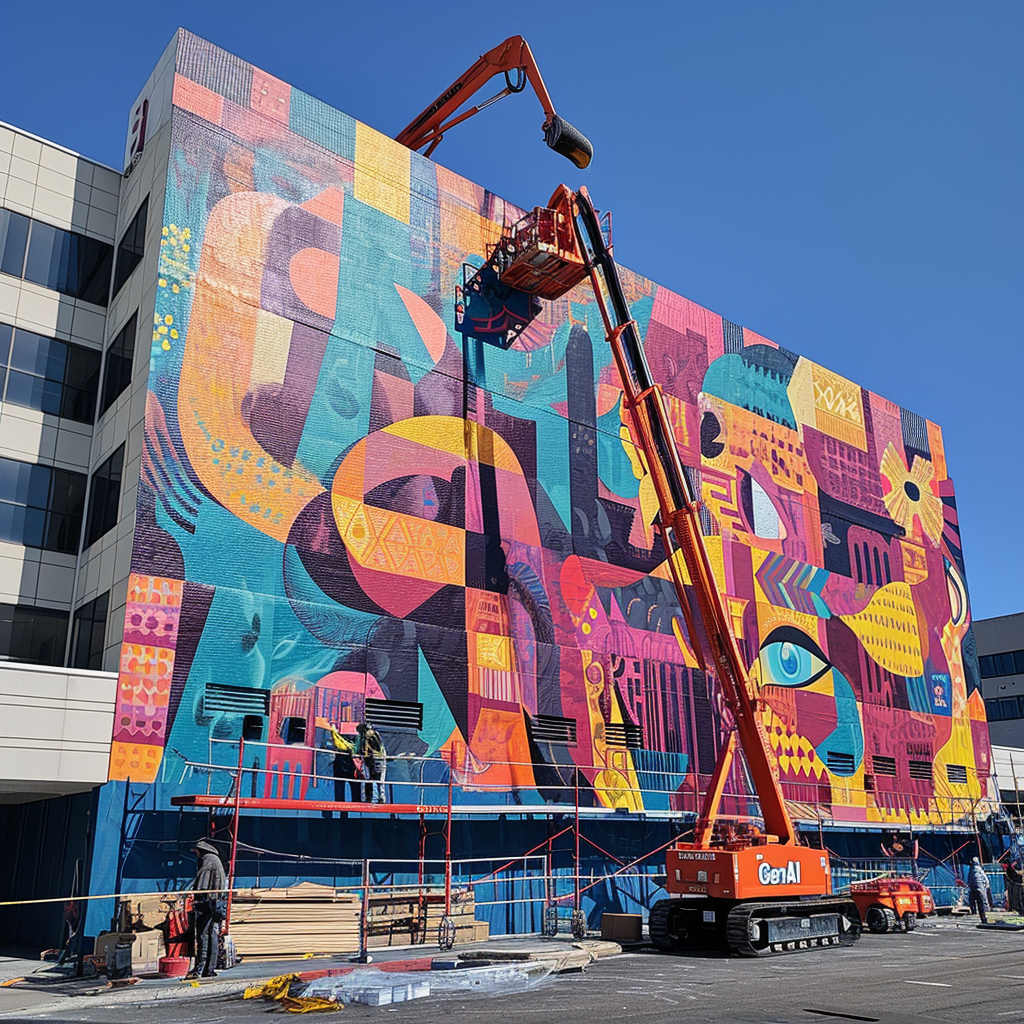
[(55, 728)]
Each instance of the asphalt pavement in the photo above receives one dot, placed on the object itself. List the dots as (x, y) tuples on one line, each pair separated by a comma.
[(942, 972)]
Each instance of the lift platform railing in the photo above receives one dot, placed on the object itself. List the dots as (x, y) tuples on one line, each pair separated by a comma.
[(412, 782)]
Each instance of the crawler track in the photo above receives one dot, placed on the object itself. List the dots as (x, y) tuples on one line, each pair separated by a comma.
[(753, 929)]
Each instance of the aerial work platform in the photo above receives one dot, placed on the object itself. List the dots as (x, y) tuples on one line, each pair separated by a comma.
[(283, 804)]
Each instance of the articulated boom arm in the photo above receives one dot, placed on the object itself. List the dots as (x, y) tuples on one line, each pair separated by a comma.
[(681, 533), (513, 55)]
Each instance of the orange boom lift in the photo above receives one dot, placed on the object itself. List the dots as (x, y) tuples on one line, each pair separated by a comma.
[(512, 56), (756, 892)]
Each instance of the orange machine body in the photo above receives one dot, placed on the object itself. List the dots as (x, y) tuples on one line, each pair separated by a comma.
[(763, 872), (901, 895)]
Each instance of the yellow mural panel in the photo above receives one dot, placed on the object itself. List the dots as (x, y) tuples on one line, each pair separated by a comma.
[(382, 173), (887, 627)]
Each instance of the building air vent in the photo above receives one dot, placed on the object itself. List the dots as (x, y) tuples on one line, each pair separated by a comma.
[(552, 729), (921, 770), (884, 765), (842, 764), (957, 774), (235, 700), (394, 714), (624, 734)]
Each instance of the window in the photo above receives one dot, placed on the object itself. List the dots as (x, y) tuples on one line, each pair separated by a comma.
[(88, 633), (921, 770), (117, 372), (41, 507), (65, 261), (394, 714), (13, 242), (883, 765), (957, 774), (1009, 707), (1006, 664), (992, 710), (35, 635), (104, 497), (52, 376), (129, 249), (552, 729), (624, 735)]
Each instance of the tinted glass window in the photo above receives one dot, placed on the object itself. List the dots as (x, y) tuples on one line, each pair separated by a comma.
[(6, 334), (104, 497), (65, 261), (35, 635), (992, 710), (1004, 664), (117, 373), (129, 249), (49, 257), (987, 665), (41, 507), (95, 261), (88, 634), (53, 376), (13, 241)]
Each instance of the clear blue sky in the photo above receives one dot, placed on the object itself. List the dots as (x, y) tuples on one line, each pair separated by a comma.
[(843, 178)]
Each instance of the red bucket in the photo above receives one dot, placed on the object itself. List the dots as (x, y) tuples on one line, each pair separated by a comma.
[(173, 966)]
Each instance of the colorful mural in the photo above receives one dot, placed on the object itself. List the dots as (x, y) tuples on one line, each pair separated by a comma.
[(345, 496)]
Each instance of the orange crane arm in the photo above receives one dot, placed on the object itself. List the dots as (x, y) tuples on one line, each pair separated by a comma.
[(428, 128), (683, 538)]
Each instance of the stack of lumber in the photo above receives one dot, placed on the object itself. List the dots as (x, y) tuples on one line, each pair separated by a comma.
[(413, 917), (304, 918)]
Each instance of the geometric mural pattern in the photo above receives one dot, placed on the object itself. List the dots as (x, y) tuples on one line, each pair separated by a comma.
[(346, 494)]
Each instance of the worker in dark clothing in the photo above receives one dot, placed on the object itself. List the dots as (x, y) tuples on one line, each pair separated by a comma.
[(979, 889), (1014, 886), (371, 747), (211, 881)]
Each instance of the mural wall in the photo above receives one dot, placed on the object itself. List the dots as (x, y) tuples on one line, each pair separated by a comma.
[(349, 494)]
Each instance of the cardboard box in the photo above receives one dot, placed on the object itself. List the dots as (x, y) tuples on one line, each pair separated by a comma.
[(622, 927)]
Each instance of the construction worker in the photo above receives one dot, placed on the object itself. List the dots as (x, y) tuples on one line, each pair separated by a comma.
[(1014, 886), (371, 747), (345, 769), (980, 889), (210, 883)]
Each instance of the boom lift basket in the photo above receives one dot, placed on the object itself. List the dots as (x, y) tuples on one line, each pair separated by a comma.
[(540, 254)]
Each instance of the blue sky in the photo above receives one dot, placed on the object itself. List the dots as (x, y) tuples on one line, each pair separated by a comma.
[(843, 178)]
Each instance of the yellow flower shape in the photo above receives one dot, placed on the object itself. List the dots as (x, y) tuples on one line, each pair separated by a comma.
[(910, 493)]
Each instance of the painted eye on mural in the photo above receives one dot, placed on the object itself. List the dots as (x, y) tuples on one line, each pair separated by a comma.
[(791, 658), (758, 509)]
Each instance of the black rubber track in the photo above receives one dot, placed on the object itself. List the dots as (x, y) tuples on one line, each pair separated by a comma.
[(657, 925), (738, 930)]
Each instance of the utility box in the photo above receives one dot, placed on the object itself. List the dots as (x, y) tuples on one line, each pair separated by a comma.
[(131, 952), (622, 927)]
